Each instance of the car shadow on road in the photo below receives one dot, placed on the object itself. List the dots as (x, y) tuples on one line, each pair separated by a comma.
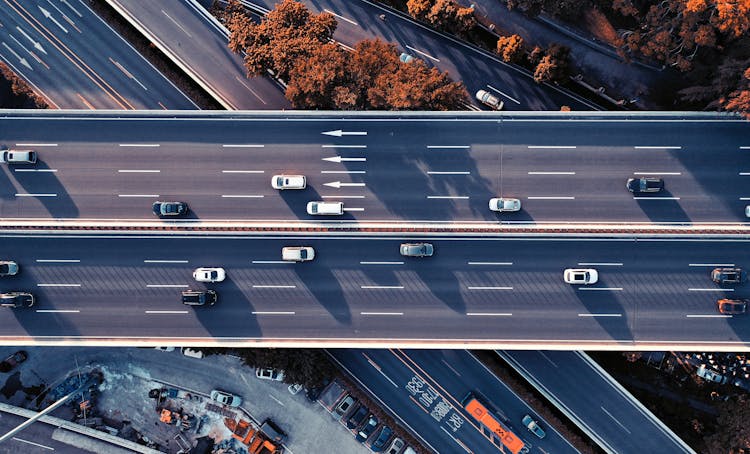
[(660, 210), (55, 200), (330, 297), (441, 282), (605, 304), (232, 315)]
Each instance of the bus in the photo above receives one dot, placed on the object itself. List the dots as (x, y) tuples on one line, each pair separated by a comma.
[(499, 434)]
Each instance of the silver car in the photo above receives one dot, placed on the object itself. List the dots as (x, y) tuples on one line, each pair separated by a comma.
[(488, 99), (8, 268), (288, 182), (503, 204), (225, 398), (417, 249)]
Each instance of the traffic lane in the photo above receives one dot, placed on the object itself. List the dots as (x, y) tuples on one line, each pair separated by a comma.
[(35, 439), (199, 45), (428, 413), (458, 373), (603, 407)]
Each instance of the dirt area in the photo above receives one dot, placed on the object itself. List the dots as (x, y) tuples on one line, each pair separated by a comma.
[(599, 26)]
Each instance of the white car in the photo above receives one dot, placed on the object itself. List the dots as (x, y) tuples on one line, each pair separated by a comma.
[(288, 182), (747, 211), (297, 253), (580, 276), (209, 274), (18, 157), (502, 204), (225, 398), (325, 208), (488, 99), (269, 374)]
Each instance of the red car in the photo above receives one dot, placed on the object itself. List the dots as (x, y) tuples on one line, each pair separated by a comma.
[(732, 307)]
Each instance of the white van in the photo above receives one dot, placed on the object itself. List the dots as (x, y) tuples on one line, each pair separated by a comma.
[(297, 253), (18, 157), (325, 208)]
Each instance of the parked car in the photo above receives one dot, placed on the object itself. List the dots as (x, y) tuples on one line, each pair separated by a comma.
[(533, 426), (732, 306), (490, 100), (209, 274), (367, 429), (16, 299), (294, 388), (645, 184), (396, 446), (13, 360), (199, 297), (187, 351), (297, 253), (288, 182), (581, 276), (269, 374), (728, 275), (343, 407), (18, 157), (170, 208), (502, 204), (8, 268), (381, 439), (357, 418), (165, 349), (406, 58), (417, 249), (225, 398)]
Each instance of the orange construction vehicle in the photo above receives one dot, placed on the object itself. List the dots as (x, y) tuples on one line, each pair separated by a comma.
[(252, 437)]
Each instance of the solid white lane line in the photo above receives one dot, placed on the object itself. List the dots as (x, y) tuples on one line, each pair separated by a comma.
[(744, 174), (137, 171), (551, 198), (600, 315), (656, 198), (380, 370), (35, 170), (167, 286), (614, 289), (744, 198), (457, 197), (33, 444), (342, 197), (242, 196), (437, 60), (274, 286), (165, 261), (657, 173), (489, 314), (744, 148), (615, 419), (381, 287), (599, 264), (344, 171), (242, 145), (149, 145), (449, 147), (273, 313), (36, 144), (243, 171), (150, 196), (657, 147), (711, 264), (58, 311), (551, 173), (57, 261), (707, 316), (551, 147), (504, 94), (490, 263), (37, 195), (381, 263), (710, 289), (166, 312), (489, 288), (340, 17), (381, 313), (58, 285), (353, 209), (343, 146), (269, 262), (449, 173)]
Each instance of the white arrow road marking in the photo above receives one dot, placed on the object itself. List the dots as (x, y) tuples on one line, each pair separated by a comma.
[(339, 159), (339, 133), (22, 60), (36, 44), (48, 15), (338, 184)]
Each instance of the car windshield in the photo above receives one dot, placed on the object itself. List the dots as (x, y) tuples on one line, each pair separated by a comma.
[(213, 274)]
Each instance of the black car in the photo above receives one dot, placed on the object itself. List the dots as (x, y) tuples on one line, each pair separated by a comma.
[(355, 420), (16, 299), (13, 360), (728, 275), (170, 208), (199, 297), (645, 184), (383, 437), (367, 429)]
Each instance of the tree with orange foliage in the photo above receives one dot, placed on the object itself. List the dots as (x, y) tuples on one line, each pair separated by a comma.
[(510, 48), (320, 80), (443, 14)]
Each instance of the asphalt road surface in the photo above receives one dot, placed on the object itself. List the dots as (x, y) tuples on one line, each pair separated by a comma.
[(199, 45), (65, 51), (424, 389), (498, 291), (595, 402), (432, 169), (39, 438)]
